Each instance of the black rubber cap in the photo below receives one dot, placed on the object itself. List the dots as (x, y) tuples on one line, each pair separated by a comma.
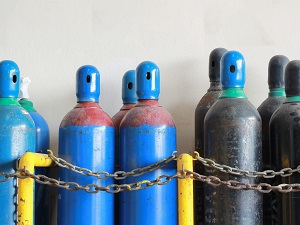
[(277, 66), (214, 63), (292, 78)]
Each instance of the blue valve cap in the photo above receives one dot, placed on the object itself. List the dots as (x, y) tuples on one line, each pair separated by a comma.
[(233, 70), (9, 79), (148, 80), (129, 87), (87, 84)]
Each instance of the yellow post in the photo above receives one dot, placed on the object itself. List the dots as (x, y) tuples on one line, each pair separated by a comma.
[(185, 192), (26, 186)]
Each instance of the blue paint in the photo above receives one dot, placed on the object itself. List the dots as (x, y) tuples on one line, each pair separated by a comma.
[(42, 132), (9, 79), (233, 70), (129, 87), (88, 84), (147, 135), (42, 192), (17, 135), (142, 146), (90, 147), (148, 80), (86, 139)]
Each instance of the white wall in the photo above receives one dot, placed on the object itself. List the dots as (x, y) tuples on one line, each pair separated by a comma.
[(50, 40)]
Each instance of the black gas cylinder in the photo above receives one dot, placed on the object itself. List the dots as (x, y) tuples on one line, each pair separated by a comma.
[(285, 143), (203, 106), (266, 109), (232, 136)]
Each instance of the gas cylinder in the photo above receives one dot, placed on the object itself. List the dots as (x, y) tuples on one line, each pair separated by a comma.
[(86, 139), (147, 135), (285, 143), (129, 100), (266, 109), (17, 135), (232, 136), (42, 192), (203, 106)]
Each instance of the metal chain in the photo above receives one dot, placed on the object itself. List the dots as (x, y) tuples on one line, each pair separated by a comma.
[(94, 188), (144, 184), (119, 175), (7, 176), (234, 184), (285, 172), (161, 180)]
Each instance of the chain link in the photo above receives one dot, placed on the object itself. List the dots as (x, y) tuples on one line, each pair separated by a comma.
[(233, 184), (285, 172), (94, 188), (160, 180), (119, 175)]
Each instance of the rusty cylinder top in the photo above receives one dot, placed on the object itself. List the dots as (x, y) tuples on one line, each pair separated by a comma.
[(148, 81), (87, 84), (214, 63), (276, 69)]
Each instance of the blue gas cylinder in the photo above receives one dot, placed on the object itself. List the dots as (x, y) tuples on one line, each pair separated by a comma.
[(232, 137), (17, 135), (42, 192), (86, 139), (129, 101), (147, 135)]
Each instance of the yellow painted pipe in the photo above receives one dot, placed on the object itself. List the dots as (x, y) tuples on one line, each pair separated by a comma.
[(185, 192), (26, 186)]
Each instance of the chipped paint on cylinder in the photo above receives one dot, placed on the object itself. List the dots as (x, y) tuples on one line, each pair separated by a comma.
[(275, 99), (203, 106), (147, 135), (117, 118), (233, 137), (86, 139), (285, 144), (17, 135)]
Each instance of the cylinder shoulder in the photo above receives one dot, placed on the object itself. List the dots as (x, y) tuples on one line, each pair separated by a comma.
[(152, 115), (270, 104), (87, 116), (117, 118), (15, 116), (286, 113), (208, 100), (231, 109), (39, 120)]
